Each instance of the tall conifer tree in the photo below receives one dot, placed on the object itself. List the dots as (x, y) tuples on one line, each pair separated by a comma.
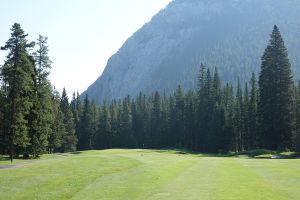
[(41, 115), (16, 74), (275, 100), (252, 115), (69, 140)]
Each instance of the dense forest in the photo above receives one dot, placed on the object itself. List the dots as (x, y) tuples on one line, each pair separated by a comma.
[(35, 118)]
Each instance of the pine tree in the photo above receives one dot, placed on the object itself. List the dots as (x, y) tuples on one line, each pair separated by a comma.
[(69, 140), (275, 100), (252, 115), (139, 120), (104, 135), (58, 130), (3, 136), (114, 123), (238, 119), (155, 126), (17, 73), (179, 117), (205, 109), (297, 134), (86, 129), (228, 138), (41, 116), (245, 113), (190, 116), (126, 136)]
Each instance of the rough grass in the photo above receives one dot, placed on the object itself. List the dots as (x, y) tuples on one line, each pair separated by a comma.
[(150, 174)]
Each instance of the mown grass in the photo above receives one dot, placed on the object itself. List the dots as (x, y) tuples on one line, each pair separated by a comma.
[(149, 174)]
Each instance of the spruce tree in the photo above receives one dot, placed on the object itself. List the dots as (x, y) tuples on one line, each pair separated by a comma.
[(252, 115), (58, 130), (41, 116), (190, 116), (103, 135), (238, 119), (156, 121), (245, 114), (275, 100), (228, 137), (3, 139), (126, 133), (16, 74), (179, 116), (297, 134), (69, 140)]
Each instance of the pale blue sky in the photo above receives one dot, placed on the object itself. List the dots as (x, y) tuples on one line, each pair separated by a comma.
[(82, 34)]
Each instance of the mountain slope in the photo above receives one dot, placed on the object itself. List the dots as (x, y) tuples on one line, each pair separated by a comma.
[(230, 35)]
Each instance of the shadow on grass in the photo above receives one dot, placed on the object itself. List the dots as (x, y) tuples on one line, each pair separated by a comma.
[(75, 152), (4, 158), (251, 154)]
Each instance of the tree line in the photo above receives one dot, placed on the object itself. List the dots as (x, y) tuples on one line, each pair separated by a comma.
[(35, 118)]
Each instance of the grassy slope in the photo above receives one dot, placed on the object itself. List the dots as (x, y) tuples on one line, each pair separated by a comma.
[(144, 174)]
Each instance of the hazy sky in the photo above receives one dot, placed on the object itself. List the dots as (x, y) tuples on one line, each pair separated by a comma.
[(82, 34)]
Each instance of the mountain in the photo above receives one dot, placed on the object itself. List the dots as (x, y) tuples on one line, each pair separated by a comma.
[(228, 34)]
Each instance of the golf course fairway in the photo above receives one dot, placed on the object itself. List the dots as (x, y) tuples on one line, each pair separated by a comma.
[(149, 175)]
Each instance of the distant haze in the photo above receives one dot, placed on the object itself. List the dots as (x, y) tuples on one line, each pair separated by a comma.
[(82, 34), (228, 34)]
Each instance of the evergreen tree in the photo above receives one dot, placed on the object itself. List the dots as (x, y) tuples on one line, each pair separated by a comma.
[(41, 116), (156, 128), (179, 117), (205, 109), (126, 133), (86, 128), (275, 100), (69, 140), (3, 136), (238, 119), (228, 138), (245, 113), (164, 122), (139, 120), (114, 123), (217, 121), (58, 130), (252, 115), (190, 116), (76, 108), (103, 135), (16, 74), (297, 135)]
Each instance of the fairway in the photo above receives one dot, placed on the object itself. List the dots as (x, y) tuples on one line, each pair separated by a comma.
[(149, 174)]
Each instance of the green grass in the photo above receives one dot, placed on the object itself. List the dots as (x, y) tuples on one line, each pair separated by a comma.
[(150, 175)]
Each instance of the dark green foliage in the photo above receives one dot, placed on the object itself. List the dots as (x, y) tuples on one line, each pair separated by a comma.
[(16, 74), (238, 119), (41, 114), (69, 139), (57, 126), (103, 134), (127, 139), (212, 119), (215, 118), (3, 136), (88, 125), (156, 125), (275, 100), (297, 133), (252, 139)]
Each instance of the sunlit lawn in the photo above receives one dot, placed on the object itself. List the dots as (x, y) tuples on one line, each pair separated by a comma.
[(149, 174)]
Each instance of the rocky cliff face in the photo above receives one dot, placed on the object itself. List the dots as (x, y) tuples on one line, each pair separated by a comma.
[(228, 34)]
